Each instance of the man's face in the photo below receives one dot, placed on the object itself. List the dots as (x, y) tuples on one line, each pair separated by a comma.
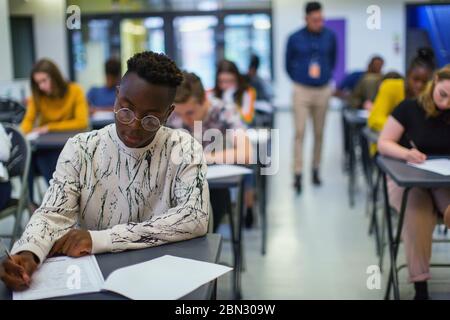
[(143, 99), (377, 65), (190, 111), (314, 21)]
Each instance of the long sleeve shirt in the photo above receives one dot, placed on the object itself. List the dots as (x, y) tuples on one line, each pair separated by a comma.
[(390, 94), (305, 47), (127, 198), (69, 113)]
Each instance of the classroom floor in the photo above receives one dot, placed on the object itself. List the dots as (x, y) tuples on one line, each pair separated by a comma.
[(318, 248)]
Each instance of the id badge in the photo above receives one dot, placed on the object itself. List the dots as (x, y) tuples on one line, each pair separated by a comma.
[(314, 70)]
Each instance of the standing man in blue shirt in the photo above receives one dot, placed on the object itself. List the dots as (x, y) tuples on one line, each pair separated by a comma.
[(310, 60), (102, 98)]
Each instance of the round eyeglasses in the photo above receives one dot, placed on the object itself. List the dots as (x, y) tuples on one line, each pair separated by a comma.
[(127, 116)]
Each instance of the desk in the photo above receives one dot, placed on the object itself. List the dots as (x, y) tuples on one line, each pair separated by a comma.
[(232, 176), (260, 139), (407, 177), (52, 140), (99, 122), (370, 137), (206, 249), (354, 121)]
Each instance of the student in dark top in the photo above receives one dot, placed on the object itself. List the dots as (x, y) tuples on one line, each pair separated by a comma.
[(263, 88), (102, 98), (415, 130)]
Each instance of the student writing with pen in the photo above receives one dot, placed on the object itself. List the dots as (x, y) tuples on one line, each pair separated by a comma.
[(416, 129), (133, 184)]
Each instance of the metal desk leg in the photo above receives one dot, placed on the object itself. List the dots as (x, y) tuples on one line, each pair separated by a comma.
[(374, 226), (264, 213), (239, 251), (393, 243)]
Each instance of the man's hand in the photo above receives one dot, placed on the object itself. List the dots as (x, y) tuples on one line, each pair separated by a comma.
[(16, 272), (75, 243)]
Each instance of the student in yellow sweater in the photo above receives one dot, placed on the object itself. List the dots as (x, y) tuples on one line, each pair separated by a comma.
[(394, 91), (55, 105)]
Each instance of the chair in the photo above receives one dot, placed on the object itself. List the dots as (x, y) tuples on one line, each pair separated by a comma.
[(11, 111), (18, 167)]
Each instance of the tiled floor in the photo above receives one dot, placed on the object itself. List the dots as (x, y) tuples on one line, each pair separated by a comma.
[(318, 248)]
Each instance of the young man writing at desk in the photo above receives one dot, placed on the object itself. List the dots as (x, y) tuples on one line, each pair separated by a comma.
[(119, 188)]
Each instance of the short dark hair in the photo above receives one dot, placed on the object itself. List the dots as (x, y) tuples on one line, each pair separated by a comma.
[(112, 67), (312, 6), (254, 62), (157, 69), (424, 58)]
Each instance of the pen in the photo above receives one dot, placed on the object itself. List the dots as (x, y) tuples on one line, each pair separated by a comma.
[(413, 144)]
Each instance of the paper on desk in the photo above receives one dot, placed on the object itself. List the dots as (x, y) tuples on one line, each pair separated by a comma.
[(440, 166), (163, 278), (63, 276), (226, 171)]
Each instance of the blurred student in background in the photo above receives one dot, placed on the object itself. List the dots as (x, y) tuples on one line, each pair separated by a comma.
[(366, 89), (192, 104), (5, 153), (263, 88), (310, 60), (231, 87), (102, 98), (348, 84), (393, 91), (55, 105), (418, 128)]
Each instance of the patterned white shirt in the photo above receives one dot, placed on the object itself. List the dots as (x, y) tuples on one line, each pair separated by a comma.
[(127, 198)]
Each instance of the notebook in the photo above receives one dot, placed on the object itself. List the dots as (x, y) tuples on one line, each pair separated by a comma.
[(164, 278)]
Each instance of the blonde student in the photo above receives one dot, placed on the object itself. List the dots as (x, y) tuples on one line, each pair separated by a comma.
[(419, 128), (131, 185)]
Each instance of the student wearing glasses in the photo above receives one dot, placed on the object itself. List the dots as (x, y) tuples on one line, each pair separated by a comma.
[(130, 185)]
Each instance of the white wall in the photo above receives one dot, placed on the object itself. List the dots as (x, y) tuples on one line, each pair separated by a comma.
[(361, 43), (6, 66), (49, 23)]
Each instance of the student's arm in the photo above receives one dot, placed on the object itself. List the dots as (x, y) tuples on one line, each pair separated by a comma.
[(382, 107), (30, 116), (388, 143), (186, 219), (59, 210), (81, 115)]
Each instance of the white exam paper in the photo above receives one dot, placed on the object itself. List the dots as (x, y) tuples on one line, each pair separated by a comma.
[(440, 166), (164, 278), (63, 276)]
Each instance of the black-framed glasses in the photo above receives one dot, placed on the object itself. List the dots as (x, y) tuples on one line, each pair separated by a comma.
[(127, 116)]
